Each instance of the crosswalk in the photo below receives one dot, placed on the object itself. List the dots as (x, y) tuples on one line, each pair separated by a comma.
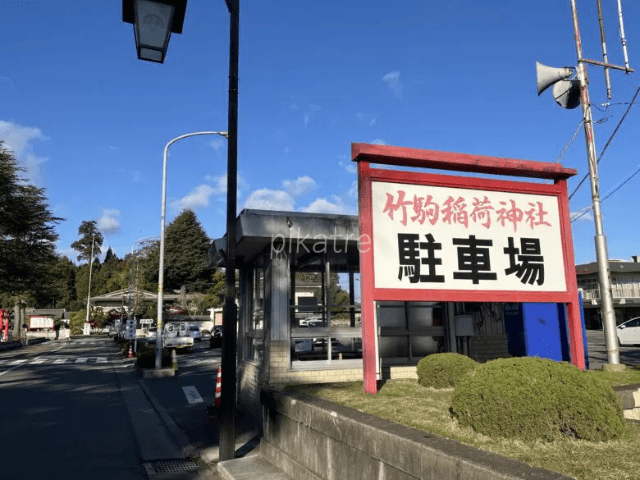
[(53, 361)]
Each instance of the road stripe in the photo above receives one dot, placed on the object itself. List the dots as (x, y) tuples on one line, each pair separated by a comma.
[(60, 360), (101, 360), (82, 360), (39, 360), (192, 395), (17, 362)]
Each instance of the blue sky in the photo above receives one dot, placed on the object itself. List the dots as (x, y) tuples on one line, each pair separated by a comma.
[(89, 121)]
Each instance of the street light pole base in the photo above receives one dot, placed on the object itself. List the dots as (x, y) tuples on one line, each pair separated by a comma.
[(614, 367)]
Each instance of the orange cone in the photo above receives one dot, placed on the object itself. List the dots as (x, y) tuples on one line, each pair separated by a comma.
[(218, 397), (130, 352)]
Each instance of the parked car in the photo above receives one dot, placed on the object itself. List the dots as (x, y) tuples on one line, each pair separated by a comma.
[(194, 331), (174, 310), (215, 340), (629, 332), (152, 335)]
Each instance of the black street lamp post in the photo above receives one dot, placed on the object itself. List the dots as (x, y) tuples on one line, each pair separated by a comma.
[(154, 21)]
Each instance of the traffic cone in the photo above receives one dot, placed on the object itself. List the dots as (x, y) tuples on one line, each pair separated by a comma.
[(130, 352), (218, 398)]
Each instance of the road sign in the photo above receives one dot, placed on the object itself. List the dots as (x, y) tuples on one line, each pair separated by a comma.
[(146, 321)]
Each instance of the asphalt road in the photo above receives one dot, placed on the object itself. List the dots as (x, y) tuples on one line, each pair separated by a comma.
[(62, 414), (598, 352)]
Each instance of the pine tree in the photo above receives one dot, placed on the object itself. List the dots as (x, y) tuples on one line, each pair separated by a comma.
[(27, 234), (185, 257)]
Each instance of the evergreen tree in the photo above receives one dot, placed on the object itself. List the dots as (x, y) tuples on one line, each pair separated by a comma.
[(90, 238), (185, 256), (27, 232)]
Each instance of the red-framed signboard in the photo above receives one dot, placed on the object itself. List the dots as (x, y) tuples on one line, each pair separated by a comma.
[(449, 238)]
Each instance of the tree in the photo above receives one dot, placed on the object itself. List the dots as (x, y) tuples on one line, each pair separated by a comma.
[(27, 234), (185, 258), (91, 240)]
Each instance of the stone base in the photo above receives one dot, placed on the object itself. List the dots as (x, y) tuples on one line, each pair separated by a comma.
[(153, 373), (610, 367)]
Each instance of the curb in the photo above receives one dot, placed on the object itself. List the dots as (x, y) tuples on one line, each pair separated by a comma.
[(188, 450)]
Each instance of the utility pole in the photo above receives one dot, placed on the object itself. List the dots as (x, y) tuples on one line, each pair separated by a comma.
[(604, 278)]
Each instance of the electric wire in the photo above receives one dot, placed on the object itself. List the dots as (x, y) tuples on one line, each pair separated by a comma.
[(569, 143), (608, 141), (583, 211)]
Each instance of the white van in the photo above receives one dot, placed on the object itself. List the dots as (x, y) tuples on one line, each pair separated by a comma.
[(176, 335)]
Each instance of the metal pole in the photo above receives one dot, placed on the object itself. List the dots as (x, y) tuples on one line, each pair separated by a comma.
[(162, 222), (229, 316), (608, 314)]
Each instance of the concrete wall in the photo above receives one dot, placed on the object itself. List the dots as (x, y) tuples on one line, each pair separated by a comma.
[(310, 439)]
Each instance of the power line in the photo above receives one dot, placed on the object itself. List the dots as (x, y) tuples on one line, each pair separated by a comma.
[(582, 212), (608, 141)]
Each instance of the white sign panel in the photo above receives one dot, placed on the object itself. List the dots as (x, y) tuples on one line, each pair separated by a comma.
[(145, 321), (40, 322), (446, 238)]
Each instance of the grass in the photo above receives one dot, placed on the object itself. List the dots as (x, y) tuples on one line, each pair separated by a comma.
[(425, 408)]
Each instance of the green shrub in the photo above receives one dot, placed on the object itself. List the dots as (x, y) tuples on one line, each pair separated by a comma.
[(147, 358), (443, 370), (533, 398)]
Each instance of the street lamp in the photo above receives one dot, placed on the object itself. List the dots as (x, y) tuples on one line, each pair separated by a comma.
[(87, 328), (229, 316), (162, 222), (154, 22)]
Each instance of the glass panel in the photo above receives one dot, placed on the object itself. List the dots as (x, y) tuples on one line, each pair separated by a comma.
[(153, 23), (422, 345), (424, 314), (391, 347), (391, 314)]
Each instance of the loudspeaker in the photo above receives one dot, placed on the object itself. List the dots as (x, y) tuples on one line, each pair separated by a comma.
[(547, 76), (567, 93)]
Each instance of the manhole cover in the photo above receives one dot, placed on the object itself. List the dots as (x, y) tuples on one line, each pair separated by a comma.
[(174, 466)]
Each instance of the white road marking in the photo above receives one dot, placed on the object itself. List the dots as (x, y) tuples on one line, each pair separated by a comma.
[(101, 360), (18, 362), (60, 360), (82, 360), (192, 395), (39, 360)]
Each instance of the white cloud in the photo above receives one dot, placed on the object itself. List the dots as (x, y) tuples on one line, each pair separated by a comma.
[(360, 116), (372, 122), (310, 113), (378, 141), (267, 199), (322, 205), (220, 183), (217, 143), (109, 222), (299, 186), (136, 176), (198, 197), (19, 139), (392, 79), (349, 167)]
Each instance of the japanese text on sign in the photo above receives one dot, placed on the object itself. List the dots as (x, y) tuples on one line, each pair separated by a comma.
[(453, 238)]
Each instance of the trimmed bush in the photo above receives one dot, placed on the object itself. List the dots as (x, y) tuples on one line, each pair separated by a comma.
[(443, 370), (147, 358), (533, 398)]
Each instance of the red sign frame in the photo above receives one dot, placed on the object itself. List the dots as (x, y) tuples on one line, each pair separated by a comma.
[(366, 154)]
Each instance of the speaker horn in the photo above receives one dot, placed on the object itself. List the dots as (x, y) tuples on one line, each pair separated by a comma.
[(567, 93), (547, 76)]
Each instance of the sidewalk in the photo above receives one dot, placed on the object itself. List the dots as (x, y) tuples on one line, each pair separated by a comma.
[(169, 398)]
